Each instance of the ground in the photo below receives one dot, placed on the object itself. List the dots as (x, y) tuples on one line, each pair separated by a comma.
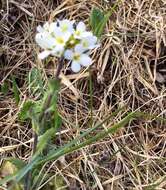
[(129, 70)]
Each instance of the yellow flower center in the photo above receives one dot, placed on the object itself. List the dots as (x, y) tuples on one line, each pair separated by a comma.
[(60, 40), (76, 56), (77, 33)]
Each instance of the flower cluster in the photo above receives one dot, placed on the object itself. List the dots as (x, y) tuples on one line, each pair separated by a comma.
[(65, 38)]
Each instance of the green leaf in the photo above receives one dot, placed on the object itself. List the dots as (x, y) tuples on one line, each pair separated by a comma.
[(95, 18), (99, 19), (77, 144), (24, 112), (18, 175), (16, 162), (35, 82), (44, 139), (101, 25), (9, 169), (51, 96), (58, 121), (15, 91), (7, 179)]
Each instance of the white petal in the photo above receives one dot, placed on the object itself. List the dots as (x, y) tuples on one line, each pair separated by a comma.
[(69, 22), (39, 40), (92, 40), (71, 30), (93, 46), (51, 27), (45, 40), (57, 51), (66, 36), (81, 27), (64, 22), (44, 54), (66, 25), (75, 66), (54, 29), (68, 54), (85, 60), (96, 46), (79, 48), (46, 26), (86, 34), (40, 29)]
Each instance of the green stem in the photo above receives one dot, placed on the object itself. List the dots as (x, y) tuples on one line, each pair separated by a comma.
[(28, 179)]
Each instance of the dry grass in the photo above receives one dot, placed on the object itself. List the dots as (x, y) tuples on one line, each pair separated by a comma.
[(129, 69)]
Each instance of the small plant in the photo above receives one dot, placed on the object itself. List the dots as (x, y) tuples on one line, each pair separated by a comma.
[(68, 40)]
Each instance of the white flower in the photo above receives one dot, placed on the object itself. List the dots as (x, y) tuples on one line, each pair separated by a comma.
[(48, 43), (60, 37), (88, 43), (45, 27), (60, 31), (44, 54), (66, 26), (78, 58), (57, 51), (45, 40), (51, 39), (81, 31)]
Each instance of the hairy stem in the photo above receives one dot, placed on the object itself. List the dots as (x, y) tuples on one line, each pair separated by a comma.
[(28, 178)]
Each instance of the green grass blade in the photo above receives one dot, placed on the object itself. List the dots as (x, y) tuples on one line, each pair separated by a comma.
[(70, 148), (73, 146), (21, 173)]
